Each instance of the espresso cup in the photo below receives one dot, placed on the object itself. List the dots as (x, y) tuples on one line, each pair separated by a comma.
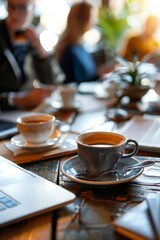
[(38, 128), (67, 95), (100, 151)]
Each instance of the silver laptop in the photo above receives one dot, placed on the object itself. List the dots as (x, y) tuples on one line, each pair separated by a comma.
[(8, 123), (7, 129), (24, 194)]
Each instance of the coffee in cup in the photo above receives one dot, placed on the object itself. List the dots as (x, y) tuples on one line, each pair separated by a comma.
[(100, 151), (38, 128)]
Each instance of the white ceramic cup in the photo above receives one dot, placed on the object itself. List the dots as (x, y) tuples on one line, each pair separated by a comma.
[(100, 151), (67, 95), (37, 128)]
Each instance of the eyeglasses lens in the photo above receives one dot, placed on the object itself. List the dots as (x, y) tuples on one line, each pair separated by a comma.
[(20, 7)]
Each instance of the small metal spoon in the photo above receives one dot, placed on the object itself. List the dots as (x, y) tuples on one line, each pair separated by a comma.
[(143, 164)]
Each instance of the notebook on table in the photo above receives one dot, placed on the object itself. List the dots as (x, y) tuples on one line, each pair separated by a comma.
[(145, 130), (136, 223), (24, 194)]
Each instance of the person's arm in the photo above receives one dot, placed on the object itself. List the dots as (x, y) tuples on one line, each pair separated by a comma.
[(35, 43), (41, 59), (43, 69), (106, 68), (31, 99), (132, 48), (10, 76), (25, 100), (6, 102)]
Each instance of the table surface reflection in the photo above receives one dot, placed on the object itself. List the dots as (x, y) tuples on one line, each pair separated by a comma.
[(95, 208)]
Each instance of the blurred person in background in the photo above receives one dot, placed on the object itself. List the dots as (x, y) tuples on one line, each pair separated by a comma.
[(19, 42), (76, 62), (144, 43)]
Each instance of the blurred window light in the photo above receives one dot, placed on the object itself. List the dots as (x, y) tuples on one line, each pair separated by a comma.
[(92, 36), (152, 7), (48, 40), (3, 11), (91, 39), (53, 14)]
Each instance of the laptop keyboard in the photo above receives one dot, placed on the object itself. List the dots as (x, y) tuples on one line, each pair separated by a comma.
[(46, 170), (6, 201)]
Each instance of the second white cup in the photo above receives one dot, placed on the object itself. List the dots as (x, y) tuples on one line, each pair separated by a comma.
[(37, 128), (67, 95)]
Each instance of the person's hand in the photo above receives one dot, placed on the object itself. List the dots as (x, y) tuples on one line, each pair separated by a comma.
[(34, 40), (106, 68), (30, 100)]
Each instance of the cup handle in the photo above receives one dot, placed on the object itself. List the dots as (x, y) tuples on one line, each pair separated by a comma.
[(136, 148), (56, 131)]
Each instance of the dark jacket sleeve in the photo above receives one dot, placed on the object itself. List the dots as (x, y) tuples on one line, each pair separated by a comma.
[(43, 69), (10, 73)]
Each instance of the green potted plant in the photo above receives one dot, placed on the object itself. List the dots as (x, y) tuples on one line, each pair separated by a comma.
[(134, 77)]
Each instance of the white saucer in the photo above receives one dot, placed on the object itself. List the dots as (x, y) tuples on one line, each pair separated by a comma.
[(74, 165), (59, 105), (19, 141)]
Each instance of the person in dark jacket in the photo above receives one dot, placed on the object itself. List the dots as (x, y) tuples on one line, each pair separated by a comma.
[(21, 54)]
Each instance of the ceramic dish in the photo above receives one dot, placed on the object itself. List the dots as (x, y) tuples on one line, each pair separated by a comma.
[(73, 166), (117, 115), (19, 141), (59, 105)]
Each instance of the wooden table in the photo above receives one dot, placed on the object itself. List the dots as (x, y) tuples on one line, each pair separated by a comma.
[(91, 215)]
